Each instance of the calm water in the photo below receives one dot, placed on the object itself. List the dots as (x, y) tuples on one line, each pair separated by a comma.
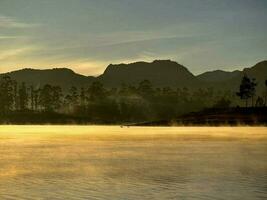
[(113, 163)]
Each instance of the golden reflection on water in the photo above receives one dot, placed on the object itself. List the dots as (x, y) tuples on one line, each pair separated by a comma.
[(109, 162)]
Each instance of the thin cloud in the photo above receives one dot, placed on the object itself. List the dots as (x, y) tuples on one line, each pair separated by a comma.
[(13, 53), (4, 37), (9, 22)]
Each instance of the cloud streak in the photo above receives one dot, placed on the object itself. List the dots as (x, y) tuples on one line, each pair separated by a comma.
[(13, 53), (10, 22)]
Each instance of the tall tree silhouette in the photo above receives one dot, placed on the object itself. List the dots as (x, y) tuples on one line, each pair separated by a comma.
[(72, 99), (145, 88), (253, 85), (50, 98), (31, 97), (23, 96), (36, 98), (15, 96), (247, 89), (96, 91), (82, 97), (6, 94)]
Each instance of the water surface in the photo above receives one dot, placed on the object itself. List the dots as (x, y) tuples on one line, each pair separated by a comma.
[(112, 163)]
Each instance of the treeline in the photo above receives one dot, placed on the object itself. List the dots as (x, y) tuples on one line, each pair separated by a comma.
[(247, 91), (98, 104)]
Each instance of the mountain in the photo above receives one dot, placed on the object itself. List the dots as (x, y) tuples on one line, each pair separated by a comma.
[(218, 76), (160, 72), (62, 77), (231, 80), (259, 72)]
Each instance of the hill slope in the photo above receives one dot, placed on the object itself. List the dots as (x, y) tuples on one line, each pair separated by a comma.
[(62, 77), (218, 76), (161, 73), (231, 80)]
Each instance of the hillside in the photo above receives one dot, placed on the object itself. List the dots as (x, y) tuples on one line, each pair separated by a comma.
[(62, 77), (218, 76), (161, 73), (231, 80)]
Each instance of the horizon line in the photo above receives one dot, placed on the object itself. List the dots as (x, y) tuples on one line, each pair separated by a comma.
[(128, 63)]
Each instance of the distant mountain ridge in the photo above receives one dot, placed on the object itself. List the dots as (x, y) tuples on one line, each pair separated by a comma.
[(62, 77), (231, 80), (218, 75), (161, 73)]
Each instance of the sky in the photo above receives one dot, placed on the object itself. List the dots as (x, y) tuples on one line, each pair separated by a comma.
[(87, 35)]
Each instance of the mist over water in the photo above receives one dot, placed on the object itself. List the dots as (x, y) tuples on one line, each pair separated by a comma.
[(108, 162)]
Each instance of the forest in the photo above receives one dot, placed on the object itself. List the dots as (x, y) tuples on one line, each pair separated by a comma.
[(21, 103)]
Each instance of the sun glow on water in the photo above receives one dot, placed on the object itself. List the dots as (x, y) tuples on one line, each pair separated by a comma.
[(110, 162)]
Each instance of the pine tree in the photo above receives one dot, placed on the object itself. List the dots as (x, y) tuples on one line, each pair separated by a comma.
[(23, 97), (247, 89)]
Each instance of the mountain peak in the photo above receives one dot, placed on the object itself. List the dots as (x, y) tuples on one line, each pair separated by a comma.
[(33, 70), (159, 72), (164, 61), (264, 62)]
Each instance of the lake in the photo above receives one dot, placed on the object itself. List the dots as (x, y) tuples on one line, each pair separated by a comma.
[(136, 163)]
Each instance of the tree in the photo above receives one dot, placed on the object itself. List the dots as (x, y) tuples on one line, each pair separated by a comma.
[(31, 97), (247, 89), (253, 85), (36, 99), (50, 97), (96, 91), (145, 88), (82, 97), (222, 103), (259, 102), (23, 97), (72, 99), (46, 97), (6, 94), (265, 101), (56, 97), (15, 95)]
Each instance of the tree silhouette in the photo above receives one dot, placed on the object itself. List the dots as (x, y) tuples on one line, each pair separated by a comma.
[(130, 103), (82, 97), (222, 103), (23, 97), (253, 85), (57, 97), (50, 98), (31, 97), (72, 99), (259, 102), (15, 96), (6, 94), (246, 89), (36, 98), (145, 88), (96, 91)]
